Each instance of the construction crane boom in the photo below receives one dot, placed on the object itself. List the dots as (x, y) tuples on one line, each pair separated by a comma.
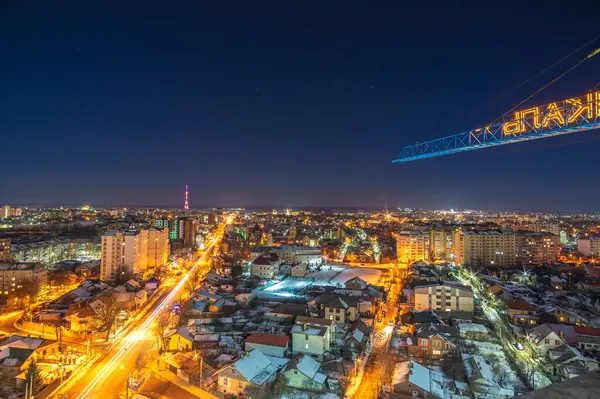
[(554, 119)]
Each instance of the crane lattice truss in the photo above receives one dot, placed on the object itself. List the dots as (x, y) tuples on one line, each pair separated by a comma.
[(554, 119)]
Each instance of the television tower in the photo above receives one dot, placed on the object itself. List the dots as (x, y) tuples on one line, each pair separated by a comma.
[(186, 204)]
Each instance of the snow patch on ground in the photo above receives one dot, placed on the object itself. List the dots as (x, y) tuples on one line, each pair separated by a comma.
[(371, 276)]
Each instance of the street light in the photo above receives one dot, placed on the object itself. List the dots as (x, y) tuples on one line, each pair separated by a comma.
[(127, 382)]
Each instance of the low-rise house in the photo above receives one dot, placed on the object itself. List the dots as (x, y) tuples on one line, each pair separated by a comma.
[(286, 312), (413, 380), (341, 309), (433, 341), (568, 362), (356, 339), (265, 267), (245, 299), (313, 336), (303, 372), (180, 339), (483, 379), (42, 348), (216, 306), (14, 361), (473, 331), (521, 312), (299, 270), (356, 283), (557, 314), (200, 305), (548, 336), (269, 344), (151, 284), (252, 370), (589, 337), (205, 295)]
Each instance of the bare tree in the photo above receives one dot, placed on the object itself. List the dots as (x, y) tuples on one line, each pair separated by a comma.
[(159, 330), (141, 360), (194, 280), (106, 313)]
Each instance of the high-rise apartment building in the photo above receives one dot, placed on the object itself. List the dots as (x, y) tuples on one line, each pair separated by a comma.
[(4, 249), (538, 248), (493, 247), (7, 211), (125, 253), (187, 229), (412, 246), (15, 275), (122, 254), (589, 246), (441, 242), (158, 247), (169, 223)]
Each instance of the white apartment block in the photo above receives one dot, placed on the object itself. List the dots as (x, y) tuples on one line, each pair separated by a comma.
[(158, 247), (412, 246), (444, 297), (125, 253)]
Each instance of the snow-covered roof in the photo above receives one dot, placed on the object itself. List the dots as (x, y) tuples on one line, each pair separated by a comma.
[(257, 367), (308, 366), (472, 327)]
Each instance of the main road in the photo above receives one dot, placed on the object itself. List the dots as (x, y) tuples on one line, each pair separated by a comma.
[(379, 365), (107, 378)]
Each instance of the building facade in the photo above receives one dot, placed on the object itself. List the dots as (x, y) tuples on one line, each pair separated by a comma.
[(292, 254), (589, 246), (538, 248), (5, 249), (7, 212), (494, 247), (412, 246), (14, 275), (158, 247), (444, 297)]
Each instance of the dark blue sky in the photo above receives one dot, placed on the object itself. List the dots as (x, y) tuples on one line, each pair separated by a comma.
[(289, 104)]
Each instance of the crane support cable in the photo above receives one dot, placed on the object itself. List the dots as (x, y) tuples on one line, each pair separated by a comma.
[(595, 52), (555, 64)]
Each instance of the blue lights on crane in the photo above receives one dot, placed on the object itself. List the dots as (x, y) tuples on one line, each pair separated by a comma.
[(554, 119)]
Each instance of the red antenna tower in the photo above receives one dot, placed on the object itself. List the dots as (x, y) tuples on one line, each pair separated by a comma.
[(186, 204)]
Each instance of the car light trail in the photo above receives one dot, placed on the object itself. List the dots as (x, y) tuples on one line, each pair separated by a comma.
[(110, 366)]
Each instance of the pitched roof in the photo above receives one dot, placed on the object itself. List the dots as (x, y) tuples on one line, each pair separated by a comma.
[(428, 330), (268, 339), (339, 301), (290, 308), (307, 366), (520, 304), (257, 367), (590, 331), (565, 332)]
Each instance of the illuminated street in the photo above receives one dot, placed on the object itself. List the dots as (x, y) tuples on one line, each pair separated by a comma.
[(380, 361), (107, 379)]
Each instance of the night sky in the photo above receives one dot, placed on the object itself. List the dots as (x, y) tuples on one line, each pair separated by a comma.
[(289, 104)]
